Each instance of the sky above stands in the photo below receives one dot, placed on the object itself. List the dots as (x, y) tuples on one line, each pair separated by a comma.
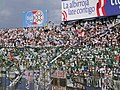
[(11, 11)]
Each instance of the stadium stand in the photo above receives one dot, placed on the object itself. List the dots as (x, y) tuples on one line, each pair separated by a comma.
[(94, 34), (93, 61)]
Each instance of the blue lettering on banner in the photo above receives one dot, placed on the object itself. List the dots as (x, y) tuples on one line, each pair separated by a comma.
[(75, 4), (81, 11), (82, 7), (65, 6)]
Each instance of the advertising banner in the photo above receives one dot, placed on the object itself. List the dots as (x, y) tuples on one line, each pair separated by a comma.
[(35, 18), (80, 9)]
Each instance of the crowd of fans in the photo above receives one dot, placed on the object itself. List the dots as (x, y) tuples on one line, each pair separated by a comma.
[(77, 63), (85, 34)]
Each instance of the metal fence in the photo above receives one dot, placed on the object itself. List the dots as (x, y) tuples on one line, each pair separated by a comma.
[(79, 67)]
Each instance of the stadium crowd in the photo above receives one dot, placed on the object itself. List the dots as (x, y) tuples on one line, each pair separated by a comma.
[(87, 34), (99, 34)]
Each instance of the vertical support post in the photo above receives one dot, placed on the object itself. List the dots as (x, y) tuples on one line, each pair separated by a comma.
[(44, 77)]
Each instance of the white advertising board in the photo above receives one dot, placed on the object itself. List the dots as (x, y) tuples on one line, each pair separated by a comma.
[(80, 9)]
